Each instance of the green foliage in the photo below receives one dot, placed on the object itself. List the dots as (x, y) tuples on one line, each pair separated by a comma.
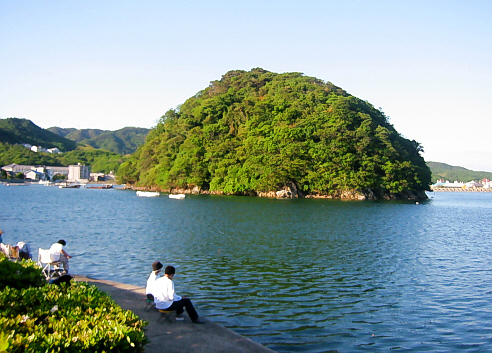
[(20, 275), (36, 317), (18, 154), (77, 318), (123, 141), (57, 177), (100, 161), (14, 130), (452, 173), (258, 131)]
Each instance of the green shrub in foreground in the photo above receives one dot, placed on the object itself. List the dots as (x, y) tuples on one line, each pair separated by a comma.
[(22, 274), (77, 318), (35, 317)]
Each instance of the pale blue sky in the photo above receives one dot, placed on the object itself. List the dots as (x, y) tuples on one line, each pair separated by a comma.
[(111, 64)]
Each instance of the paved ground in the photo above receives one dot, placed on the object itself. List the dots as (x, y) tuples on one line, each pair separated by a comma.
[(179, 336)]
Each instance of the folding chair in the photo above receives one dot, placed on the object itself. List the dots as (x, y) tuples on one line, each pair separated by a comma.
[(165, 315), (50, 268), (12, 252), (149, 302)]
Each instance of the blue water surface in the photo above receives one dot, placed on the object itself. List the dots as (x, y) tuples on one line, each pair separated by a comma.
[(294, 275)]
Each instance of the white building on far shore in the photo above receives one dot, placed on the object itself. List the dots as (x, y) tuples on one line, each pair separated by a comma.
[(447, 184), (78, 172)]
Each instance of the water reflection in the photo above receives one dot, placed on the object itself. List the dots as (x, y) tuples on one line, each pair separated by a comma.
[(299, 275)]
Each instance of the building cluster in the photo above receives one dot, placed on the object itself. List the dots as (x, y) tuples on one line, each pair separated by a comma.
[(484, 183), (53, 150), (72, 173)]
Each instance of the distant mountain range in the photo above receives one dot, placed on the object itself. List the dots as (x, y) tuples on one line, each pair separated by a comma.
[(452, 173), (123, 141)]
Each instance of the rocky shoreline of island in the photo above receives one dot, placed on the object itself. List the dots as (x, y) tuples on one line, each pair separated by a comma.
[(291, 192)]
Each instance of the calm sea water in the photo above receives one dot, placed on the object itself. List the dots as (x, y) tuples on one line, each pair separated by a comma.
[(294, 275)]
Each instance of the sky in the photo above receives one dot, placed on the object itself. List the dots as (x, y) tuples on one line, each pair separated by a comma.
[(112, 64)]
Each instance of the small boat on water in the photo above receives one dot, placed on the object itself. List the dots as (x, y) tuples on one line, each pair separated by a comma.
[(105, 186), (148, 193), (71, 186), (177, 196)]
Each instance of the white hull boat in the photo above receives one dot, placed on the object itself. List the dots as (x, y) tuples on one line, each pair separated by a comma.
[(148, 193), (177, 196)]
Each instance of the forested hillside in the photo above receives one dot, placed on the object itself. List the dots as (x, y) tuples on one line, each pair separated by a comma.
[(97, 153), (76, 134), (453, 173), (15, 130), (257, 132), (122, 141)]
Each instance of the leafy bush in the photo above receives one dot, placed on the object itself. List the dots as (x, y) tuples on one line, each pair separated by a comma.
[(79, 318), (48, 318), (23, 274)]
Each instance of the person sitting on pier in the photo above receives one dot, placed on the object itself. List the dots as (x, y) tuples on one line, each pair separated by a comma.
[(156, 269), (59, 255), (166, 299)]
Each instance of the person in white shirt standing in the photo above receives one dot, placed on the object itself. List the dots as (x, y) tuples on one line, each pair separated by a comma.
[(156, 269), (58, 254), (166, 299)]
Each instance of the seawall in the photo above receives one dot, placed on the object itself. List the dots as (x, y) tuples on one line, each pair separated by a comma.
[(179, 336)]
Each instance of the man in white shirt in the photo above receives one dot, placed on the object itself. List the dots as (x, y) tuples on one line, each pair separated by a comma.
[(166, 299), (156, 269), (57, 254)]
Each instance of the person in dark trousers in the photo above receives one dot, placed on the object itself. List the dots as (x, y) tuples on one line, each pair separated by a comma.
[(166, 299)]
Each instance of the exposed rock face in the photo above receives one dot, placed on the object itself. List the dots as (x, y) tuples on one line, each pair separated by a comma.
[(290, 191)]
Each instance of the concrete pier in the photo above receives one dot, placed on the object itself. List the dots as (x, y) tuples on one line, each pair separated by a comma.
[(179, 336)]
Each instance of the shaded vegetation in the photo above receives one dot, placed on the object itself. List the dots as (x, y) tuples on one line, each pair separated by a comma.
[(258, 131), (18, 154), (14, 130)]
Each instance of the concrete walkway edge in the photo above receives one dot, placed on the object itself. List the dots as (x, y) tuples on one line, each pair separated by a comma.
[(179, 336)]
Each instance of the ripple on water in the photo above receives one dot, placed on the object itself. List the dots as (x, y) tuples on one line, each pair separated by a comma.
[(297, 276)]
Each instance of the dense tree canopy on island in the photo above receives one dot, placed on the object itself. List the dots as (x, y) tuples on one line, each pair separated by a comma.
[(258, 131)]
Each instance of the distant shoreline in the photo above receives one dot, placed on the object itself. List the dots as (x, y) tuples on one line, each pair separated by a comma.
[(448, 189)]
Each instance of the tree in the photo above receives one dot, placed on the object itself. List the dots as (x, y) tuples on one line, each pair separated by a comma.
[(258, 131)]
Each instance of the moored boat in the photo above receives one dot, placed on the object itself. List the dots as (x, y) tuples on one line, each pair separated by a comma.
[(105, 186), (71, 186), (148, 193), (177, 196)]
